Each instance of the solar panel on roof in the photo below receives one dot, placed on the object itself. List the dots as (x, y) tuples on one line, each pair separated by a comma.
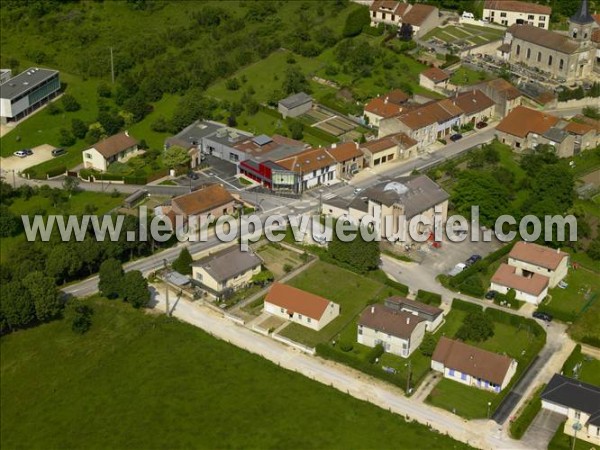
[(263, 139)]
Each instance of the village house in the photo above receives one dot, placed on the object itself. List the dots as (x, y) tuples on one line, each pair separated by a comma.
[(434, 79), (198, 207), (505, 96), (312, 167), (383, 107), (475, 105), (119, 147), (511, 12), (531, 270), (426, 124), (301, 307), (389, 148), (432, 315), (579, 402), (586, 136), (295, 105), (349, 158), (399, 200), (525, 128), (226, 271), (422, 18), (399, 332), (472, 366)]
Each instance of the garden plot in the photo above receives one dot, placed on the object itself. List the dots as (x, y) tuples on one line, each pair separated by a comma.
[(328, 122), (466, 34)]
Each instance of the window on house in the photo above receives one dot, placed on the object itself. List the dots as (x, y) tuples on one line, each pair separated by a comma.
[(359, 330), (493, 13), (463, 376), (542, 18), (577, 415), (393, 17), (502, 14), (88, 156), (300, 316), (528, 53), (518, 144), (308, 320), (530, 17), (383, 16), (374, 13), (282, 310), (518, 50), (541, 25), (561, 65), (539, 58), (451, 372), (549, 60)]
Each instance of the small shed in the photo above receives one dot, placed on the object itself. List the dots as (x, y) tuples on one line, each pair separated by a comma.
[(135, 198), (295, 105)]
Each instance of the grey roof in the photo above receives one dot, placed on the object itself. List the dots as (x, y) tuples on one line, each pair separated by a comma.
[(263, 139), (338, 202), (177, 279), (295, 100), (25, 81), (281, 152), (582, 16), (230, 136), (360, 203), (400, 303), (544, 38), (556, 134), (574, 394), (228, 263), (193, 134), (415, 193)]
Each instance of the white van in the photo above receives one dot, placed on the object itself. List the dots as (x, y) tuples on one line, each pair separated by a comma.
[(468, 15)]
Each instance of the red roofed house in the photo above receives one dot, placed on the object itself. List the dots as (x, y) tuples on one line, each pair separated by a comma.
[(118, 147), (433, 79), (349, 158), (299, 306), (472, 366), (389, 148), (526, 128), (388, 105), (532, 269), (422, 18)]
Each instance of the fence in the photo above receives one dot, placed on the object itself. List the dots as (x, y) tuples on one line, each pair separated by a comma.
[(301, 347)]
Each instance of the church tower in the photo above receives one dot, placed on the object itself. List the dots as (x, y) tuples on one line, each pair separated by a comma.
[(581, 24)]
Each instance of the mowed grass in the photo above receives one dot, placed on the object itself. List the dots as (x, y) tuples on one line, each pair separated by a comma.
[(350, 290), (465, 76), (76, 204), (567, 304), (466, 401), (137, 380)]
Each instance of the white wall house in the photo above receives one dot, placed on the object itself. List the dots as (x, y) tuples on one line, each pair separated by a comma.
[(579, 402), (314, 167), (472, 366), (531, 257), (528, 287), (119, 147), (301, 307), (511, 12)]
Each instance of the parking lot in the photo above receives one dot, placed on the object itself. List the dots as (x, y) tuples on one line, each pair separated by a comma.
[(41, 153), (219, 171)]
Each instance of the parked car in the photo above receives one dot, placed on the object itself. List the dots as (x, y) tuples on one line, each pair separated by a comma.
[(491, 295), (58, 152), (457, 269), (542, 316), (20, 153), (481, 125), (28, 151), (456, 137), (472, 260), (193, 176), (357, 190)]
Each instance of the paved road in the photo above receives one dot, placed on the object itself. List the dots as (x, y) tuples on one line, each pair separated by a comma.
[(481, 434)]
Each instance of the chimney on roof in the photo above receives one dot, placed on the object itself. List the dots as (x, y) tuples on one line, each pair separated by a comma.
[(372, 310), (385, 100), (334, 145), (558, 250), (356, 144), (126, 133), (408, 321)]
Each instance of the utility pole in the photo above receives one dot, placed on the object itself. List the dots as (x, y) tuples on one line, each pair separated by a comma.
[(14, 179), (112, 66), (408, 377)]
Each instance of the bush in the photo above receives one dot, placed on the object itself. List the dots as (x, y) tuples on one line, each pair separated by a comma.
[(532, 407), (430, 298), (461, 305), (82, 321), (56, 171), (476, 327), (375, 353), (472, 286), (356, 21), (287, 268), (70, 104), (345, 347)]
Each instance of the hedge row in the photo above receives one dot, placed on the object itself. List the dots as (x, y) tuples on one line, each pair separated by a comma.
[(528, 413), (327, 352), (461, 305), (403, 288), (431, 298), (511, 319), (60, 170)]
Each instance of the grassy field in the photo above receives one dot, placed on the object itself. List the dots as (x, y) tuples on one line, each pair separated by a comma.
[(275, 259), (567, 304), (142, 381), (465, 76), (465, 401), (470, 33), (582, 367)]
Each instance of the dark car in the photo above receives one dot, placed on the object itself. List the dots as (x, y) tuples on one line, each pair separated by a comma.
[(193, 176), (472, 260), (481, 125), (491, 295), (542, 316), (28, 151), (58, 152), (456, 137)]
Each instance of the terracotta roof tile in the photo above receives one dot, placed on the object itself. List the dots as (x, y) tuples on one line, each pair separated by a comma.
[(203, 200), (521, 121), (390, 141), (537, 254), (297, 301), (507, 276), (516, 6), (471, 360), (435, 74), (472, 102), (381, 108), (500, 85), (434, 112), (115, 144), (344, 152), (418, 14), (578, 128), (308, 160)]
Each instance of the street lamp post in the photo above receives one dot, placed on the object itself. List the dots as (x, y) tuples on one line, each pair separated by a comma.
[(489, 406), (409, 365), (576, 427), (167, 286)]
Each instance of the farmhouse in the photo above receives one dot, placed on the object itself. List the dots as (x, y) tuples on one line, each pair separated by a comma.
[(511, 12), (201, 206), (420, 17), (119, 147), (472, 366), (295, 105), (389, 148), (427, 124), (26, 92), (226, 270), (299, 306), (434, 79), (432, 315), (399, 332), (579, 402)]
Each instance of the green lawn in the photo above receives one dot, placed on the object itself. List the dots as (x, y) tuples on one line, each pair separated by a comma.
[(567, 304), (465, 401), (144, 381), (465, 76), (561, 441), (75, 205), (582, 367)]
